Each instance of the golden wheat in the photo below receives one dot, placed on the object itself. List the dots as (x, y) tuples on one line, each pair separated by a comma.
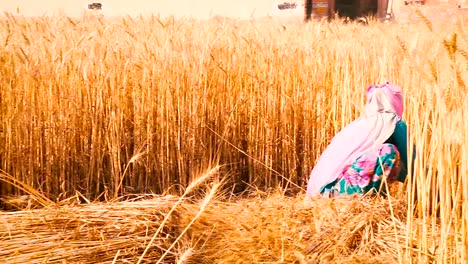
[(110, 107)]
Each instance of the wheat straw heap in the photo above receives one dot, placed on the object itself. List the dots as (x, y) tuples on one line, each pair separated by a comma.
[(222, 121)]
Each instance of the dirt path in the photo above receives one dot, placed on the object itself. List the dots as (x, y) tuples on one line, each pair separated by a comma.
[(197, 9), (435, 10)]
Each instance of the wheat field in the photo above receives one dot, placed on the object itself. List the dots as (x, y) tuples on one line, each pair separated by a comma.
[(96, 109)]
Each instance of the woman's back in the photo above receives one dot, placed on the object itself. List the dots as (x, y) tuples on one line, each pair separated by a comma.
[(378, 134)]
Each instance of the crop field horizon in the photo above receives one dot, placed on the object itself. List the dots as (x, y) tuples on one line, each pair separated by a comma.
[(106, 108)]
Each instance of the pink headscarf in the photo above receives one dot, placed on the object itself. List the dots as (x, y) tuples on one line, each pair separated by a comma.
[(392, 92), (383, 110)]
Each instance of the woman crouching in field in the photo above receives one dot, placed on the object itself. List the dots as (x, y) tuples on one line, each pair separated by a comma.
[(368, 152)]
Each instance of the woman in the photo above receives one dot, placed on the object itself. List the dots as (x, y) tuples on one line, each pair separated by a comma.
[(367, 152)]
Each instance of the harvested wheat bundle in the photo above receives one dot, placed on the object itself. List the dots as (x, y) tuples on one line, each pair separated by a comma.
[(275, 228), (286, 230), (90, 233), (135, 230)]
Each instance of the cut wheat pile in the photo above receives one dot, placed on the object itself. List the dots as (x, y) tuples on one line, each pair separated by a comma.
[(254, 230), (92, 233)]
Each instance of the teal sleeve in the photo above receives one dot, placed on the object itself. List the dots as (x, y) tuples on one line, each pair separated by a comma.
[(400, 139)]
